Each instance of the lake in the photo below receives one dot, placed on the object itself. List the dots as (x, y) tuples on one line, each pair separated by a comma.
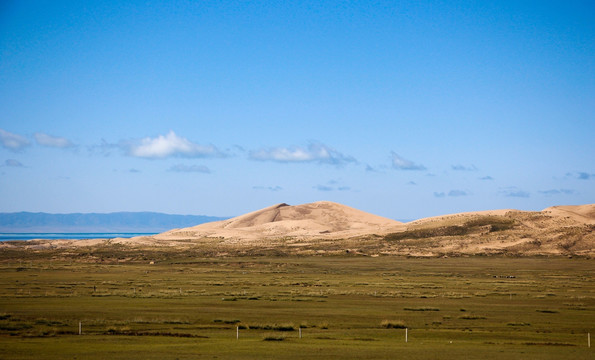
[(54, 236)]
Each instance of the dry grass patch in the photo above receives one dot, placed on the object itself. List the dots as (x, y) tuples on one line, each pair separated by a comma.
[(393, 324)]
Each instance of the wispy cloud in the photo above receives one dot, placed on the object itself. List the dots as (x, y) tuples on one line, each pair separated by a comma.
[(460, 167), (12, 141), (331, 188), (315, 152), (52, 141), (369, 168), (13, 163), (401, 163), (268, 188), (452, 193), (581, 175), (557, 192), (486, 178), (513, 191), (170, 145), (104, 148), (332, 185), (457, 193), (190, 168)]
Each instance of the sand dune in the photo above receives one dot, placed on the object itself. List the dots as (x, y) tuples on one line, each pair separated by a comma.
[(329, 228), (579, 213), (318, 219)]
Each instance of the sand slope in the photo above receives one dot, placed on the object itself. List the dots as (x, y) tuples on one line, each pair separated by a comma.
[(579, 213), (318, 219)]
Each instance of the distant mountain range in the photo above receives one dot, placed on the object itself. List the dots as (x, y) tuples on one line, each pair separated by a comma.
[(133, 222)]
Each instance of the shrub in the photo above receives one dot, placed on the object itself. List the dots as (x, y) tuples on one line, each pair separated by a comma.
[(273, 337), (284, 327), (472, 317), (393, 324)]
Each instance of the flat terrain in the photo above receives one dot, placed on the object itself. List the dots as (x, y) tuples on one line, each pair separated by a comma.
[(188, 307)]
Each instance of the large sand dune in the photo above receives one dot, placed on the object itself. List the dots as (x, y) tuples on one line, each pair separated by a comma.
[(318, 219)]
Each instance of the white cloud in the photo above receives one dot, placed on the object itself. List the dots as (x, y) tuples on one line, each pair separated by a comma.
[(315, 152), (170, 145), (190, 168), (12, 141), (404, 164), (52, 141)]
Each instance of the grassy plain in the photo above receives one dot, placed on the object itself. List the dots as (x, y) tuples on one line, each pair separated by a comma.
[(186, 307)]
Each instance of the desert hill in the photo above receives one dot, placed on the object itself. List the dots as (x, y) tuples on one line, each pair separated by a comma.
[(558, 230), (326, 228), (330, 228), (318, 219)]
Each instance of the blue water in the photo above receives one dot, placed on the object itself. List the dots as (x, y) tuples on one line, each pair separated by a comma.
[(54, 236)]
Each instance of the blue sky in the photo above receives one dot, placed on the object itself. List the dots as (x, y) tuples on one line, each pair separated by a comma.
[(405, 109)]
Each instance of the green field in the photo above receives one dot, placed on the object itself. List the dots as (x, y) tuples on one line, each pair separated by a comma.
[(184, 307)]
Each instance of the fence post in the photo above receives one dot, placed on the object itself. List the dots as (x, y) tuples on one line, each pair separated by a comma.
[(80, 327), (406, 334)]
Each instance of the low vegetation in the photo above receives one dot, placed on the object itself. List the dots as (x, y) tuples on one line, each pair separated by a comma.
[(393, 324), (342, 306), (486, 224)]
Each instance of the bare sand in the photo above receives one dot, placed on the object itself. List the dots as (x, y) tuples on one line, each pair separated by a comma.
[(322, 219)]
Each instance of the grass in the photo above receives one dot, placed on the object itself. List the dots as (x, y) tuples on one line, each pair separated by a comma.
[(273, 337), (348, 307), (424, 308)]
